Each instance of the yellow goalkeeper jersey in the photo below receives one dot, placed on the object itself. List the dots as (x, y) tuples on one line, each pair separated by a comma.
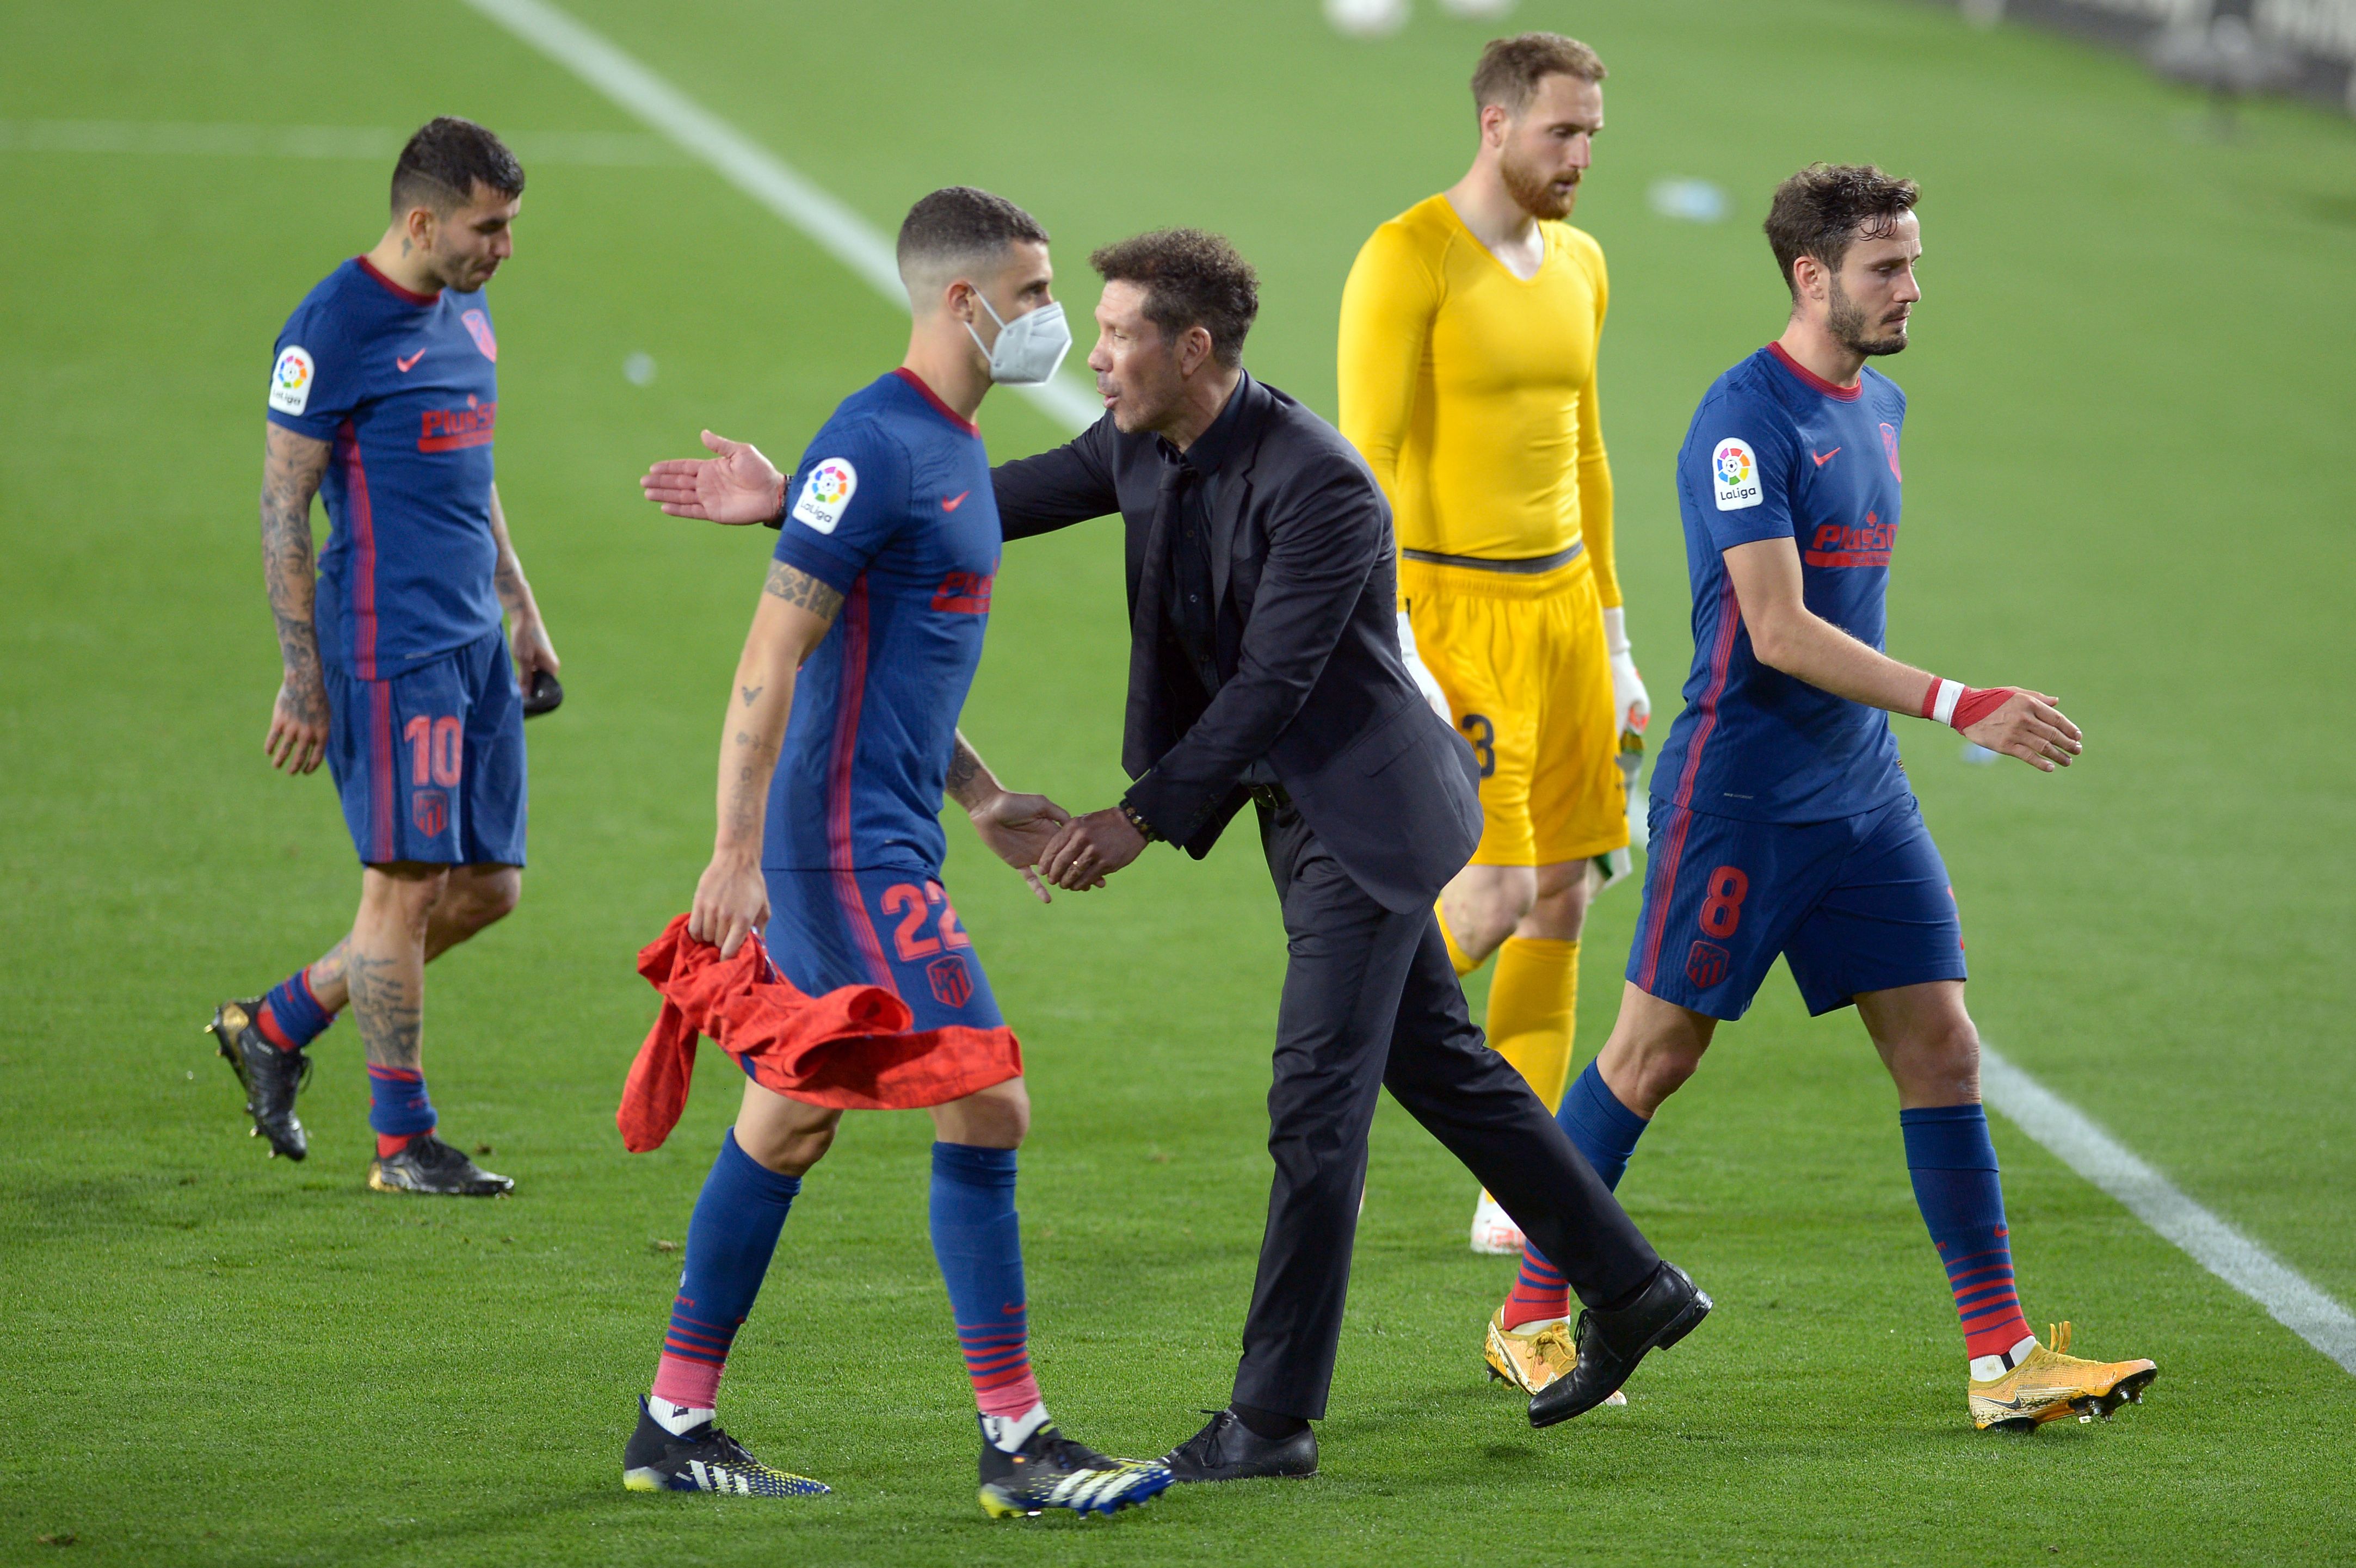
[(1471, 392)]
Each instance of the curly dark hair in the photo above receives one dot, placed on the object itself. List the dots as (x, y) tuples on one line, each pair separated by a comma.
[(1826, 207), (1191, 279), (446, 160)]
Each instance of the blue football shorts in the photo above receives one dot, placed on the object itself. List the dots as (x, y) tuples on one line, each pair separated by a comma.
[(431, 763), (890, 926), (1858, 903)]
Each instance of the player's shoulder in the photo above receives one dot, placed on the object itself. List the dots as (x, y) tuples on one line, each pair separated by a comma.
[(1744, 406), (1750, 389), (1883, 393), (868, 429), (1419, 237), (348, 304), (1578, 245)]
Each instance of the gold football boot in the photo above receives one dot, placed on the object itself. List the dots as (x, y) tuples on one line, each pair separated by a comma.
[(1530, 1362), (2050, 1383)]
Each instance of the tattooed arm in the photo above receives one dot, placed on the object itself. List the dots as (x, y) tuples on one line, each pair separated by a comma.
[(527, 633), (1015, 827), (731, 899), (291, 468)]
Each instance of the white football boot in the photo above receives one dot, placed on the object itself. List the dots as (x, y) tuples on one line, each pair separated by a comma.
[(1494, 1234)]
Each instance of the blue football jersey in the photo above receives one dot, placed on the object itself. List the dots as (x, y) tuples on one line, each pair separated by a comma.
[(1777, 453), (892, 507), (405, 386)]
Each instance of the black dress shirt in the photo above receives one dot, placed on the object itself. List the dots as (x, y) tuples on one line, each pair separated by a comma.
[(1191, 478)]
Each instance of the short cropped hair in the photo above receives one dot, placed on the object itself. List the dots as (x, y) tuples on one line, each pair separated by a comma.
[(1510, 68), (1191, 279), (958, 228), (1826, 207), (446, 160)]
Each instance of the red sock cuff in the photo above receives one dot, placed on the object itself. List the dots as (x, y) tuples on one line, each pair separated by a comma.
[(268, 1024), (391, 1144)]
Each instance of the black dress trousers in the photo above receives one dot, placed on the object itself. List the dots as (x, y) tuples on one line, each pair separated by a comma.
[(1370, 1002)]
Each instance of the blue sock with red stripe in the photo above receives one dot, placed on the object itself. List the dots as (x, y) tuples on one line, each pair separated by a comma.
[(729, 1244), (290, 1017), (1605, 1131), (979, 1243), (1953, 1163), (399, 1107)]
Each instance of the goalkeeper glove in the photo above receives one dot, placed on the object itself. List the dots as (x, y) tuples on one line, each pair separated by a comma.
[(1633, 708)]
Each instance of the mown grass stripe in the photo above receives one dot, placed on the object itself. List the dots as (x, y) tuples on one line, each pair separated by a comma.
[(2289, 1298)]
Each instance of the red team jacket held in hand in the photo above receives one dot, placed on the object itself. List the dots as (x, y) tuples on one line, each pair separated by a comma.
[(850, 1049)]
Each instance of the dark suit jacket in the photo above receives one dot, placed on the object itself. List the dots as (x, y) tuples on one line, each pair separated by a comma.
[(1304, 567)]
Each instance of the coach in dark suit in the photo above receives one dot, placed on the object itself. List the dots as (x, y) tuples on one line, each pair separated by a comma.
[(1264, 667)]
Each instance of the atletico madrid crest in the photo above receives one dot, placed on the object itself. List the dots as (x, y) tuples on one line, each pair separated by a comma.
[(952, 985), (1706, 965), (430, 810)]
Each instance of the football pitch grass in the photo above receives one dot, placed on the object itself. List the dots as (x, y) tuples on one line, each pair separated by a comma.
[(2128, 466)]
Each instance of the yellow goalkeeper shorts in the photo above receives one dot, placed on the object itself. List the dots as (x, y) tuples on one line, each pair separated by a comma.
[(1521, 658)]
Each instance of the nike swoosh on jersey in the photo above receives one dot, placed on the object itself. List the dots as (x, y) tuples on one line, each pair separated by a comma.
[(1824, 457), (414, 358), (954, 502)]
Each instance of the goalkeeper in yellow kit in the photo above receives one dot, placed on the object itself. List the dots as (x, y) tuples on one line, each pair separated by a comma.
[(1467, 367)]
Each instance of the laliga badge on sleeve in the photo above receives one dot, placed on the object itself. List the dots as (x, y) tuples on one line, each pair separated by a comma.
[(825, 494), (1735, 472), (290, 380)]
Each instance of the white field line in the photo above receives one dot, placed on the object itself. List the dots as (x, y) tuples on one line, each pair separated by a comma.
[(372, 143), (2286, 1295), (743, 163), (849, 238)]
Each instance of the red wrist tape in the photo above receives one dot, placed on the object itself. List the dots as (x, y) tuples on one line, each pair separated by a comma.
[(1953, 702), (1974, 706)]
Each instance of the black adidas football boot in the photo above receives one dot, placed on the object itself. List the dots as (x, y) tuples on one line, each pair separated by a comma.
[(705, 1459), (1050, 1470), (427, 1164), (271, 1077)]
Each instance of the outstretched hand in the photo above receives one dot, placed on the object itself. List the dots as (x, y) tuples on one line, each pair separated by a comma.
[(738, 486), (1017, 828), (2032, 726)]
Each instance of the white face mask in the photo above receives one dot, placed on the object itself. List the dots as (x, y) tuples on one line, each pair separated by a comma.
[(1030, 347)]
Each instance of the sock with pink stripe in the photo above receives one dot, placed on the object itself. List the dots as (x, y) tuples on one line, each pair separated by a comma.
[(978, 1240), (729, 1244)]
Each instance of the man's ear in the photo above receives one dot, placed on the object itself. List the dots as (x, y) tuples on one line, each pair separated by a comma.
[(1808, 276), (1194, 349), (418, 224), (1494, 119)]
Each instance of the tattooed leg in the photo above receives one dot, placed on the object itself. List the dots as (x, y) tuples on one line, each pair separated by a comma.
[(477, 896), (384, 959)]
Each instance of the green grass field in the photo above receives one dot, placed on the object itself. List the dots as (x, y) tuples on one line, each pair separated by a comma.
[(2129, 457)]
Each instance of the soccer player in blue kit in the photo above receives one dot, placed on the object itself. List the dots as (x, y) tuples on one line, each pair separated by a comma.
[(383, 398), (1781, 823), (840, 743)]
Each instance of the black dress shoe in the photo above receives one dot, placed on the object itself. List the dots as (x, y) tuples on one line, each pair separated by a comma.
[(1228, 1450), (1611, 1343)]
